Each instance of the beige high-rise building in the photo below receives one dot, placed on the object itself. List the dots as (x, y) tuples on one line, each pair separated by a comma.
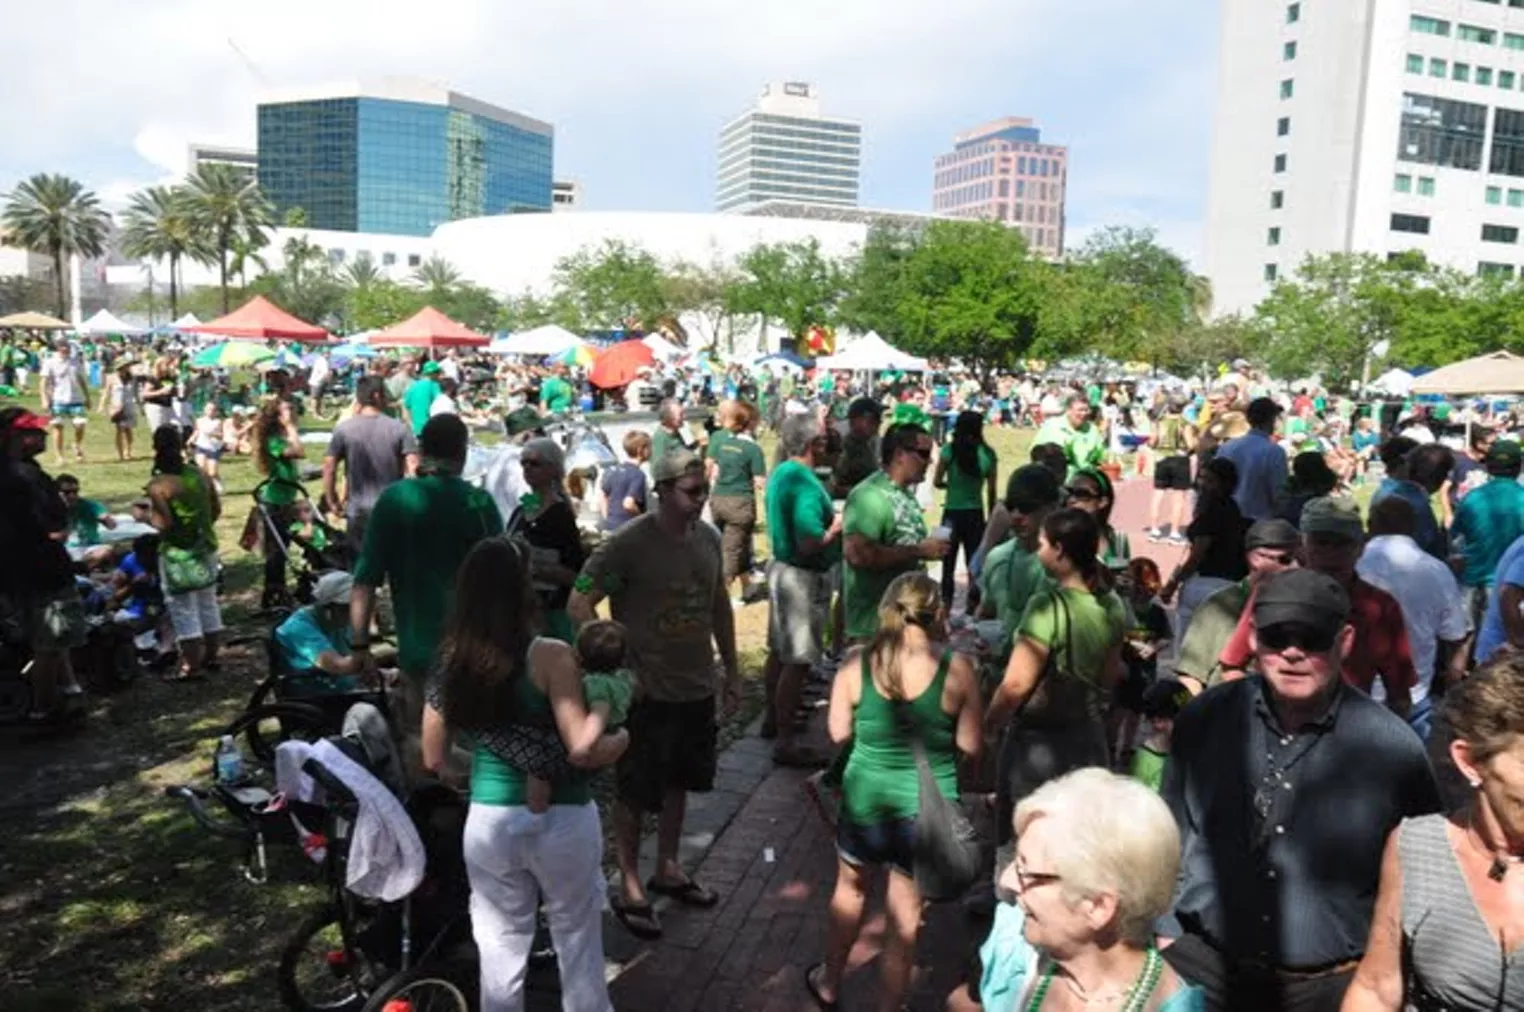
[(1002, 171)]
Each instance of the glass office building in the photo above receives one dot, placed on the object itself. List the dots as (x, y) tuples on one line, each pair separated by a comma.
[(401, 159)]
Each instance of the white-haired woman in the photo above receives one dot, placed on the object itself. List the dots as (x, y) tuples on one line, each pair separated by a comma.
[(545, 518), (1096, 860)]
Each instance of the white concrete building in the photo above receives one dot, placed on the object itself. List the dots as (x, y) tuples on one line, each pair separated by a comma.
[(565, 195), (785, 149), (1380, 127), (244, 160)]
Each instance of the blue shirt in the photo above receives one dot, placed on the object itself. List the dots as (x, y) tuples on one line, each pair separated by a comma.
[(140, 582), (1261, 467), (301, 639), (1425, 528), (620, 482), (1510, 571)]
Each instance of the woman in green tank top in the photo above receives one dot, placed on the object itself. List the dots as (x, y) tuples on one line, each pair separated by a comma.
[(906, 684), (185, 508), (495, 673)]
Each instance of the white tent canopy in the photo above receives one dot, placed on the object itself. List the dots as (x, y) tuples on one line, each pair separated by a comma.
[(872, 352), (188, 320), (547, 340), (661, 347), (1396, 382), (105, 323)]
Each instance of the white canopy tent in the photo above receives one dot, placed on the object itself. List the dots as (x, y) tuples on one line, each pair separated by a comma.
[(661, 347), (188, 320), (873, 353), (547, 340), (1396, 382), (104, 322)]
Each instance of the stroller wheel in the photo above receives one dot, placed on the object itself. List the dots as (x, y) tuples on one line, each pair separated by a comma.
[(426, 988), (15, 698), (317, 973)]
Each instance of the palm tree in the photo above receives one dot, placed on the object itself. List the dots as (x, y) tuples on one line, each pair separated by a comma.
[(157, 226), (245, 251), (55, 215), (226, 206), (362, 271), (436, 274)]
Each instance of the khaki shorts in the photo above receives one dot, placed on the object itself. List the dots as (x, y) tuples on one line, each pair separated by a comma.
[(798, 602)]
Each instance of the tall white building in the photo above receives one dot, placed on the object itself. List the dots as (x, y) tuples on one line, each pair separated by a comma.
[(1377, 126), (784, 149)]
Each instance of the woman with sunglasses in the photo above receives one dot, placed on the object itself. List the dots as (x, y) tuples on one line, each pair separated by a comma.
[(1090, 490), (545, 519)]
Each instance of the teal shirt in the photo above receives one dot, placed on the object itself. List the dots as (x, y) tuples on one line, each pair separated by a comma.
[(85, 523), (1488, 520), (964, 490), (556, 395), (419, 397), (798, 505)]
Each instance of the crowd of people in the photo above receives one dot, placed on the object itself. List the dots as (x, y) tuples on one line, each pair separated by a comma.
[(1237, 805)]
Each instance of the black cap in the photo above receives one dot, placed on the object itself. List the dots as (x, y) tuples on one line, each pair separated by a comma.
[(1031, 487), (1276, 533), (1165, 698), (1303, 596), (864, 407)]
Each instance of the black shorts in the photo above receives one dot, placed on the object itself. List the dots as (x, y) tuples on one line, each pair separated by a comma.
[(1173, 474), (672, 746)]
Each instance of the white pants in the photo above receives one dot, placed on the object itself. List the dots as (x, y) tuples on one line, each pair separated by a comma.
[(517, 859), (158, 415), (1196, 590)]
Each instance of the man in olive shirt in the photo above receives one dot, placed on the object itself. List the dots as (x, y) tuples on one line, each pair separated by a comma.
[(886, 528), (669, 436), (859, 452)]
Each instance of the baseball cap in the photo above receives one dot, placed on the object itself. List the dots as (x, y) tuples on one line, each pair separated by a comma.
[(1333, 515), (1302, 596), (1504, 455), (865, 406), (522, 420), (21, 418), (1275, 533), (332, 588), (674, 465), (430, 367)]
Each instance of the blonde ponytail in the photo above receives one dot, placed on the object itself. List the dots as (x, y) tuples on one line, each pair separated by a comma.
[(910, 599)]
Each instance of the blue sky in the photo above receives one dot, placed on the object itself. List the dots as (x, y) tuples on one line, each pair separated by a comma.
[(638, 89)]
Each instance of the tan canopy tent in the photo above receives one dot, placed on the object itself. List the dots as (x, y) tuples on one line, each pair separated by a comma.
[(1497, 372), (33, 321)]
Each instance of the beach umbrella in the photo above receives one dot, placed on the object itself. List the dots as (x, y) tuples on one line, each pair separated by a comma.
[(577, 354), (231, 355), (33, 321), (616, 366)]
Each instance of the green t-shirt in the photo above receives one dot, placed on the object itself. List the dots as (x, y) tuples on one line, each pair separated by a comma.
[(880, 511), (419, 397), (738, 463), (1170, 439), (798, 504), (963, 489), (664, 443), (1093, 626), (1148, 767), (556, 395), (495, 782), (419, 533), (1083, 447), (1011, 577), (85, 522), (285, 472)]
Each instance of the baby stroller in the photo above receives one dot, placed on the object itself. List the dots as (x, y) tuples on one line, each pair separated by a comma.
[(354, 953), (309, 553)]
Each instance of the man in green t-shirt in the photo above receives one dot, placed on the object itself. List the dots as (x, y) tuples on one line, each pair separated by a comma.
[(804, 533), (736, 471), (420, 531), (886, 528), (556, 393), (669, 436), (1012, 574), (1083, 443), (420, 396)]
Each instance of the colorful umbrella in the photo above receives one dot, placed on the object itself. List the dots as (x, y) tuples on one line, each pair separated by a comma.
[(577, 354), (616, 366), (231, 355)]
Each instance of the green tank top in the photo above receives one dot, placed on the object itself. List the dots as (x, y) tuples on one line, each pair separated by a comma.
[(881, 782), (190, 514), (494, 782)]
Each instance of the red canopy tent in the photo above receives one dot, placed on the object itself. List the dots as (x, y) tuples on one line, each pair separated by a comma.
[(261, 319), (428, 328)]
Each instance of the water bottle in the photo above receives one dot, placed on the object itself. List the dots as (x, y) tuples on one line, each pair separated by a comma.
[(228, 761)]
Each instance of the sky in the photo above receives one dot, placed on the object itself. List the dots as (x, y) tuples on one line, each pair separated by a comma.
[(638, 89)]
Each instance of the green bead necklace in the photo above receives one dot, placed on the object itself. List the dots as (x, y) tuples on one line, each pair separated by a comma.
[(1137, 996)]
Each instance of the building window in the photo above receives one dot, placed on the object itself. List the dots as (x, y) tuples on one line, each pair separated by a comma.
[(1415, 63), (1516, 198), (1293, 13), (1500, 233), (1273, 237), (1471, 33), (1021, 187), (1437, 68), (1287, 88), (1271, 271), (1484, 76), (1425, 186), (1005, 188), (414, 259), (1277, 199), (1460, 72), (388, 259), (1288, 51), (1507, 142), (1404, 184), (1439, 131), (1512, 41), (1505, 79), (1280, 163), (1491, 270), (1428, 26), (1283, 126), (1410, 223), (1494, 194)]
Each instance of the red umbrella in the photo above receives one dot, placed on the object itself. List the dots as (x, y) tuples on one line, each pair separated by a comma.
[(262, 319), (428, 328), (616, 366)]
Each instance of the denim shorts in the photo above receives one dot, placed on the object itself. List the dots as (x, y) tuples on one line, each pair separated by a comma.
[(890, 842)]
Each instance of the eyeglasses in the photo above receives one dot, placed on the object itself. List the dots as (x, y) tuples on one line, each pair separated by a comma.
[(1029, 880), (1283, 636), (700, 491)]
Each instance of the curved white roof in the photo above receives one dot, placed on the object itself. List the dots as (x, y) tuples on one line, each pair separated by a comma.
[(514, 253)]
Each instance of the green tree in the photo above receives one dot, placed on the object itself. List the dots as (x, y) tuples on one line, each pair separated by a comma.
[(56, 215), (19, 292), (361, 271), (471, 305), (875, 280), (305, 285), (614, 285), (157, 226), (230, 212), (704, 292), (790, 283), (527, 311), (380, 304), (1139, 296), (436, 275)]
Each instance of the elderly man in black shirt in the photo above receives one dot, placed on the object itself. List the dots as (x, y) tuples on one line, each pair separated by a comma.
[(1285, 787)]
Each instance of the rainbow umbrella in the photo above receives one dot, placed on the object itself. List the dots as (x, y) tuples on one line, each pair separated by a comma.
[(578, 355), (232, 355)]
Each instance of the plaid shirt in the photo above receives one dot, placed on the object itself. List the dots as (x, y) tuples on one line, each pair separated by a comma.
[(1380, 648)]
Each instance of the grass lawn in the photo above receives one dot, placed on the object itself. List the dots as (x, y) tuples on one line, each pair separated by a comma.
[(111, 898)]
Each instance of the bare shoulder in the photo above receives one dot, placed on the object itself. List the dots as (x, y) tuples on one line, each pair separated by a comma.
[(552, 661)]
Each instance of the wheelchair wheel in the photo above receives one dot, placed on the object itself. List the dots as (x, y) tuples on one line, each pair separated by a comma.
[(318, 974), (264, 727), (427, 988)]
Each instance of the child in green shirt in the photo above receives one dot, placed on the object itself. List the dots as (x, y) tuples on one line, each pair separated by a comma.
[(1161, 703)]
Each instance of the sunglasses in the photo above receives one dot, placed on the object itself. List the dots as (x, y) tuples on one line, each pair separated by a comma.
[(1081, 493), (924, 454), (1285, 635), (700, 491)]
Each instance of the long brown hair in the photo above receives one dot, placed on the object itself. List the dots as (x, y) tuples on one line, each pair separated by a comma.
[(911, 599), (493, 622), (267, 421)]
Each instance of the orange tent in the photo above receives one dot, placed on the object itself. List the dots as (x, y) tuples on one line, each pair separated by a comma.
[(428, 328), (260, 318)]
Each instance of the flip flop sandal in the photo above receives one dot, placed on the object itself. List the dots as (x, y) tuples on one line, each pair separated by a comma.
[(814, 988), (689, 893), (638, 919)]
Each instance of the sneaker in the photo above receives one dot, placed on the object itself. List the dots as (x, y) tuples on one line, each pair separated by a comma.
[(1176, 538), (1155, 534)]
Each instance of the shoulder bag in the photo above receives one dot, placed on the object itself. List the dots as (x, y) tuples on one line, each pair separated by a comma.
[(1057, 697)]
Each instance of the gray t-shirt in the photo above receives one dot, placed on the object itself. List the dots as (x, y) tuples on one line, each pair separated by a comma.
[(372, 448)]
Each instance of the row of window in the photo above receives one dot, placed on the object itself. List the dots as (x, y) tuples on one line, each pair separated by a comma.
[(1037, 167), (1497, 3), (1462, 72), (1418, 224), (1404, 184), (338, 255), (1495, 193), (1006, 148), (1425, 25)]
